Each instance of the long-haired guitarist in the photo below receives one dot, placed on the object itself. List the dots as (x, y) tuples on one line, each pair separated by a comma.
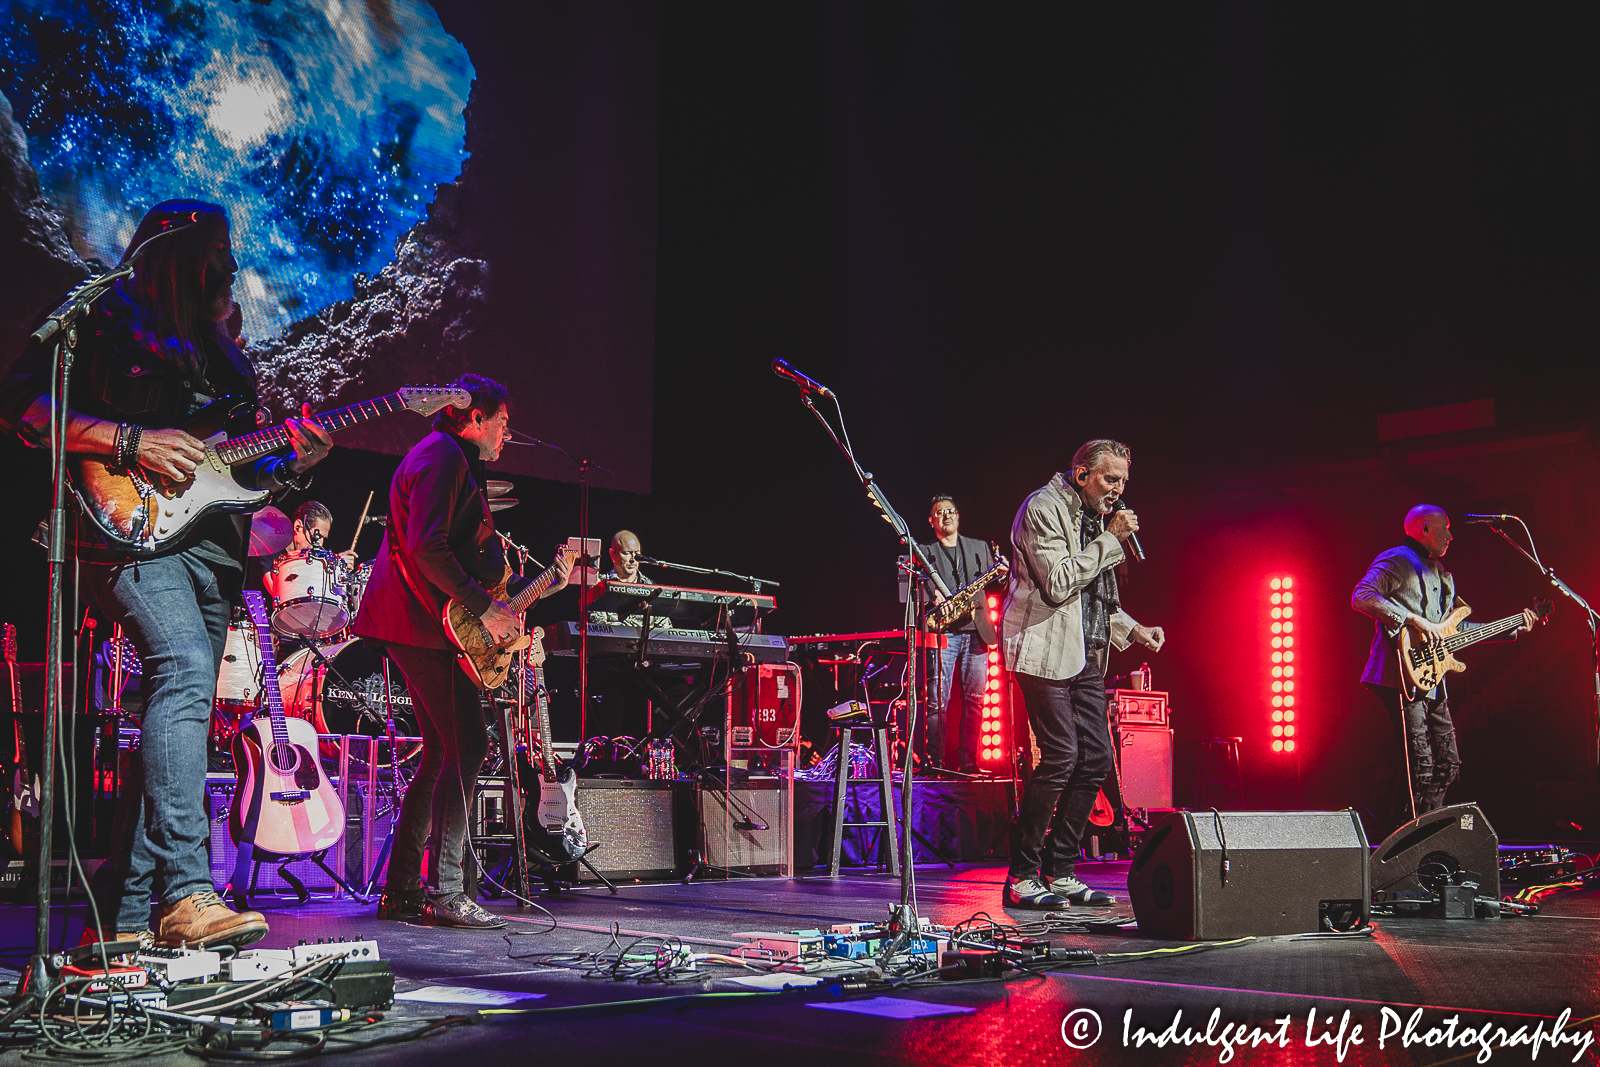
[(439, 546), (1407, 588), (151, 353)]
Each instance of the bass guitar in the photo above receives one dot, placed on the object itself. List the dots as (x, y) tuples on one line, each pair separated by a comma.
[(141, 513), (487, 662), (1422, 668), (563, 838), (961, 605), (285, 803)]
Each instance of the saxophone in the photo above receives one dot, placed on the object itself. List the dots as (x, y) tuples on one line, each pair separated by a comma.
[(958, 607)]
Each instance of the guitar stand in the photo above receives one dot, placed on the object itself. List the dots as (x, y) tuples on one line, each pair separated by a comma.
[(545, 868), (239, 888)]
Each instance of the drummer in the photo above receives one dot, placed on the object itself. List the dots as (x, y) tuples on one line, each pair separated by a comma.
[(313, 523)]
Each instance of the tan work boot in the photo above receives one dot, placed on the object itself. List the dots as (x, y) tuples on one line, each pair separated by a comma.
[(203, 920)]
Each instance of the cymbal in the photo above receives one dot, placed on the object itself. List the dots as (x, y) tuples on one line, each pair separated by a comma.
[(504, 502), (271, 531), (496, 488)]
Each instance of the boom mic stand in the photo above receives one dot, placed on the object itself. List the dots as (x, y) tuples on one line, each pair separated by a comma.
[(1572, 595), (753, 582), (906, 915)]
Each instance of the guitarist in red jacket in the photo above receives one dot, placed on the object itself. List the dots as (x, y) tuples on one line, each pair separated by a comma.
[(150, 354), (439, 545)]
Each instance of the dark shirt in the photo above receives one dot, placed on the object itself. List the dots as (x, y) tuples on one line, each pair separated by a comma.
[(439, 545), (121, 377), (959, 567)]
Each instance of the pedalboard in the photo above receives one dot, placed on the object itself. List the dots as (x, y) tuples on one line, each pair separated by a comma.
[(367, 983)]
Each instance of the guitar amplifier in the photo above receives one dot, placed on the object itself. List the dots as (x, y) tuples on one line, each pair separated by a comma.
[(748, 831), (1139, 707), (644, 828), (1146, 762), (224, 853), (765, 711)]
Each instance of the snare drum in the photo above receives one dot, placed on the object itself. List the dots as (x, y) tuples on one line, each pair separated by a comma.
[(310, 595)]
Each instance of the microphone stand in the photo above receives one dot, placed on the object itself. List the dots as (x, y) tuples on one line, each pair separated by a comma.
[(750, 580), (905, 918), (583, 572), (1589, 616)]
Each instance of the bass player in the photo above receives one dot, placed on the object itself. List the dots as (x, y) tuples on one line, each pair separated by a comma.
[(149, 354), (440, 546), (1407, 587)]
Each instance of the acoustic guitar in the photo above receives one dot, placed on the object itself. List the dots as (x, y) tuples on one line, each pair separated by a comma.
[(563, 838), (141, 513), (285, 803), (486, 661), (23, 825), (1422, 668)]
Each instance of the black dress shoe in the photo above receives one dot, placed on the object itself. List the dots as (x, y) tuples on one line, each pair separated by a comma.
[(402, 903)]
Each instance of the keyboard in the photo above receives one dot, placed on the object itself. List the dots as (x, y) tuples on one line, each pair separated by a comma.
[(850, 644), (678, 603), (611, 639)]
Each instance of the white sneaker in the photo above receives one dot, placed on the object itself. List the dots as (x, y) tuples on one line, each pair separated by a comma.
[(1080, 894)]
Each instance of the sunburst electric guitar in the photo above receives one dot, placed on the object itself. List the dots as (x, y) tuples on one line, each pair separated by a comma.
[(487, 662), (560, 834), (285, 803), (1422, 668), (141, 513)]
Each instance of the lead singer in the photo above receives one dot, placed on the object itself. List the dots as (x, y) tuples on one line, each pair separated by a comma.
[(1062, 615)]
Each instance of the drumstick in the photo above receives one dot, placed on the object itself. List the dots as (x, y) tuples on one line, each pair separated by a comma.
[(362, 521)]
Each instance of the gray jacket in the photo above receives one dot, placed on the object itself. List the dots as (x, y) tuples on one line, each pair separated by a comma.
[(1042, 626), (1400, 581)]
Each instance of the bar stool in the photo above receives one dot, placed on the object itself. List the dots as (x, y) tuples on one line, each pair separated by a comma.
[(1219, 766), (841, 790)]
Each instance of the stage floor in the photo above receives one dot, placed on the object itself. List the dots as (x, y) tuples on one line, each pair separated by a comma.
[(1505, 972)]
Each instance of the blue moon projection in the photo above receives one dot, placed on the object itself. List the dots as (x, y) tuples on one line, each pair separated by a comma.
[(323, 127)]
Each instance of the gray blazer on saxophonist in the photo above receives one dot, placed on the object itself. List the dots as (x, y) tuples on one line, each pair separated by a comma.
[(1042, 627)]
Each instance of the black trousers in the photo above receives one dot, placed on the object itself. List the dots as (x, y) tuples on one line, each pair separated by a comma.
[(1430, 736), (1069, 722)]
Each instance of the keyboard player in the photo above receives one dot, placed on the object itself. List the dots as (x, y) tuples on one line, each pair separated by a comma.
[(616, 708)]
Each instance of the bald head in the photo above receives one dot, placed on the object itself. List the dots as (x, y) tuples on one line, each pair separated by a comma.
[(625, 551), (1428, 525)]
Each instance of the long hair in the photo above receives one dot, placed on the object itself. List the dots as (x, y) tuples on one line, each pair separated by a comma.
[(170, 283)]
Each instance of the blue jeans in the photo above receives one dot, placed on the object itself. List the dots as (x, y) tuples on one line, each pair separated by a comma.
[(174, 611), (967, 659)]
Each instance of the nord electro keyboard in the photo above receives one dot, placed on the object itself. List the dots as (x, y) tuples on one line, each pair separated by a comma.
[(611, 639), (852, 644), (680, 604)]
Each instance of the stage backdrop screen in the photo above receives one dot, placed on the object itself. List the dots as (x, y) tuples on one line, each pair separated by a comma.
[(387, 232)]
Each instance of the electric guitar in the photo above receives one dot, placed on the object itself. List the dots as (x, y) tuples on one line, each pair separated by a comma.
[(141, 513), (1422, 668), (960, 606), (285, 803), (565, 839), (486, 662), (23, 832)]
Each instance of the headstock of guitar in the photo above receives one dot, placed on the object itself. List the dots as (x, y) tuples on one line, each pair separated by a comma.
[(8, 638), (427, 399), (535, 652)]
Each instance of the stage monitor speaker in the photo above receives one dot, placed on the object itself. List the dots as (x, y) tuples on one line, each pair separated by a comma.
[(643, 828), (1457, 838), (1201, 876), (1146, 766)]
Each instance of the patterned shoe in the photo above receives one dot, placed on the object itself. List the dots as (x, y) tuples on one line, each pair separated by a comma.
[(402, 904), (460, 910), (1032, 893), (1080, 894)]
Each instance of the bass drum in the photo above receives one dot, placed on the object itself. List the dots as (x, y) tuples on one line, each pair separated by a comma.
[(349, 698)]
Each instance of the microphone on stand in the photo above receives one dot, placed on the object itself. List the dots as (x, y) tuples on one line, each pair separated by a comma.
[(1487, 518), (782, 369), (1133, 538)]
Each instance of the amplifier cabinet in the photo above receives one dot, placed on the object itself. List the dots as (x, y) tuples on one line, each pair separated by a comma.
[(224, 853), (644, 828), (748, 828), (1146, 761)]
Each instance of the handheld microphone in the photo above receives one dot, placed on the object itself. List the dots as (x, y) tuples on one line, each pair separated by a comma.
[(1133, 538), (1487, 518), (807, 385)]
